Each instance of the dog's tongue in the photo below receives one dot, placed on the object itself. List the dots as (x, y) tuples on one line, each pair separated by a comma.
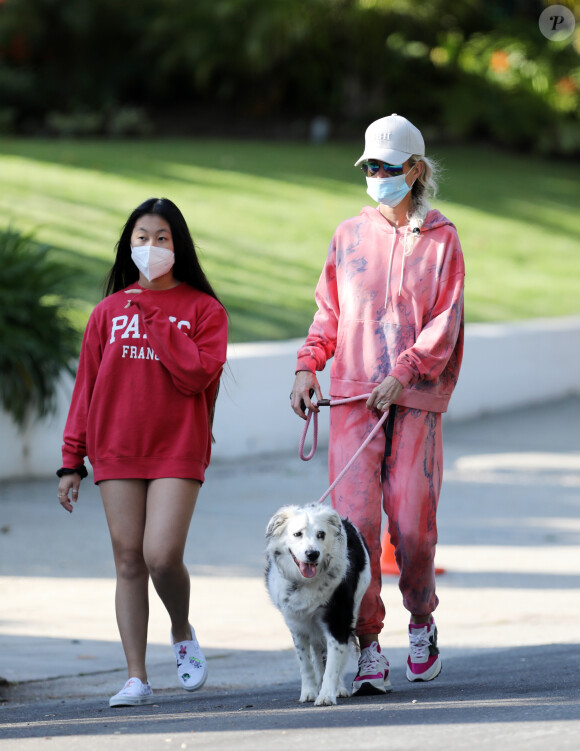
[(308, 570)]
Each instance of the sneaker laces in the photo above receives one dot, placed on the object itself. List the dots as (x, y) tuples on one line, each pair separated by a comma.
[(370, 662), (419, 642)]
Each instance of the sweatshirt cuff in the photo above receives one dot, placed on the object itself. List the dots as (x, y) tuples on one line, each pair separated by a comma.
[(305, 363), (70, 460), (403, 375)]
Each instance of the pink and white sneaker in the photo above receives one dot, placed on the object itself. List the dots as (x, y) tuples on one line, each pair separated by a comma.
[(373, 672), (423, 662)]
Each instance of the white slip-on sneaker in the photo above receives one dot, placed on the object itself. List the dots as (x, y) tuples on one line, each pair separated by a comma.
[(191, 664), (133, 693)]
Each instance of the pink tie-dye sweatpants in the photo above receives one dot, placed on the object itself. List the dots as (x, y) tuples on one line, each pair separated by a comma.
[(409, 495)]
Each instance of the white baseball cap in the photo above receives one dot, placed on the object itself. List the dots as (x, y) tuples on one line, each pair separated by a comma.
[(392, 139)]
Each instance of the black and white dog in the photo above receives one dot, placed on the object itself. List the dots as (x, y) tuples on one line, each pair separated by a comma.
[(317, 572)]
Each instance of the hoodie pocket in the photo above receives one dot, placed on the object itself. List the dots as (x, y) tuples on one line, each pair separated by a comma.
[(367, 351)]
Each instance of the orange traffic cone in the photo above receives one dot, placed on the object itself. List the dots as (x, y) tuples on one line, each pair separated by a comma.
[(388, 562)]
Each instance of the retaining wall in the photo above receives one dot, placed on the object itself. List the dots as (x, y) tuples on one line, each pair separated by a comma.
[(505, 366)]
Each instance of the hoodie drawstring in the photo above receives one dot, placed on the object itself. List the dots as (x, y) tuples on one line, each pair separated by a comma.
[(390, 269), (407, 250)]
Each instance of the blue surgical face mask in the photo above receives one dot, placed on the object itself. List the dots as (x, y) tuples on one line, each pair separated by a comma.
[(388, 190)]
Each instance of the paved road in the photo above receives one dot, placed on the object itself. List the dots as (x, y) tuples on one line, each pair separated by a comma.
[(509, 543), (507, 699)]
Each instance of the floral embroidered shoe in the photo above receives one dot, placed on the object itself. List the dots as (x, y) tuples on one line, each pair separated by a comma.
[(424, 662), (191, 663), (133, 693), (373, 672)]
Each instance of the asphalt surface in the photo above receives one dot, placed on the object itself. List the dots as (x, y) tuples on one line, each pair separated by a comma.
[(508, 619)]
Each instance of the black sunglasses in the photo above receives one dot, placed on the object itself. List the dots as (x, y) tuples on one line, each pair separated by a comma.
[(371, 166)]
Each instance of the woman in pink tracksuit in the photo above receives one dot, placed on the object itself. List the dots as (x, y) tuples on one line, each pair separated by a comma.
[(390, 313)]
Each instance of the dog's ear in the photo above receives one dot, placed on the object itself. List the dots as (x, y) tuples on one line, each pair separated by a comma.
[(278, 522), (335, 522)]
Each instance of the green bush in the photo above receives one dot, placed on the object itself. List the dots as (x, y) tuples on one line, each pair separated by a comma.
[(465, 68), (74, 124), (37, 341), (120, 123), (7, 120), (129, 121)]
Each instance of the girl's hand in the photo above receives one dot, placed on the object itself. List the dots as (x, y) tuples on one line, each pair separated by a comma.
[(384, 395), (132, 292), (69, 484)]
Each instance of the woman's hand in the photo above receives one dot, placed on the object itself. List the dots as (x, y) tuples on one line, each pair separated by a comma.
[(69, 484), (304, 382), (384, 395)]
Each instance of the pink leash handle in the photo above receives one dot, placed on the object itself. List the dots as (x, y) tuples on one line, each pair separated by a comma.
[(311, 415), (368, 439)]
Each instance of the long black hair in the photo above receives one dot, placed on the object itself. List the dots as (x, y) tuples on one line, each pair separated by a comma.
[(186, 267)]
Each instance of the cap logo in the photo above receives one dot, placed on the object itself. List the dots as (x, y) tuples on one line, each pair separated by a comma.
[(385, 136)]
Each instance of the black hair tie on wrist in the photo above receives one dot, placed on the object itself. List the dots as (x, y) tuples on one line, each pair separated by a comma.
[(80, 470)]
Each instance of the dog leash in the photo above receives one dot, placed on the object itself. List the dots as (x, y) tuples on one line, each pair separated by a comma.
[(389, 415)]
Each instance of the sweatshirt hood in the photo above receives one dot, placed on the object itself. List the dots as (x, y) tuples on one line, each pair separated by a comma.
[(433, 219)]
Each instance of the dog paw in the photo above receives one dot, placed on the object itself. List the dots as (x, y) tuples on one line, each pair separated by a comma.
[(342, 692), (307, 695), (325, 700)]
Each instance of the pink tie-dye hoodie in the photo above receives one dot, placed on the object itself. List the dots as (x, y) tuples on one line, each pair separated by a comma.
[(390, 302)]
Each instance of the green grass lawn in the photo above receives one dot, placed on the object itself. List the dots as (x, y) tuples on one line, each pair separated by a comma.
[(262, 215)]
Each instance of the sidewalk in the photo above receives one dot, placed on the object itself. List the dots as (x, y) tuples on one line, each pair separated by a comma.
[(509, 529)]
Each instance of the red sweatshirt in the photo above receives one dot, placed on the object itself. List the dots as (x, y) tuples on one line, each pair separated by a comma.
[(390, 303), (148, 372)]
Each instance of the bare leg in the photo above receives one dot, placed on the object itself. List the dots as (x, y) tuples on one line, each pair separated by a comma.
[(365, 639), (125, 505), (418, 619), (170, 506)]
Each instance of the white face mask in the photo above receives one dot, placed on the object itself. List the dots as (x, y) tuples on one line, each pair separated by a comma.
[(152, 261)]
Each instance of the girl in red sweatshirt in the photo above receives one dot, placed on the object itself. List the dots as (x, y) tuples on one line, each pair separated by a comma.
[(390, 314), (141, 411)]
